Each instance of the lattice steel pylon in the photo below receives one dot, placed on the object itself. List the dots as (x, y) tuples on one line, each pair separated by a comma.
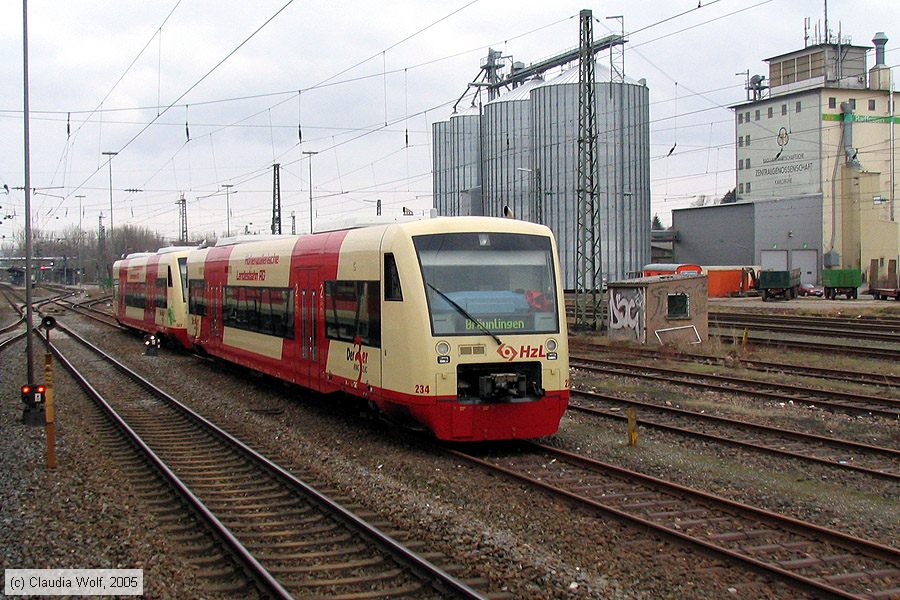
[(276, 199), (587, 237), (182, 218)]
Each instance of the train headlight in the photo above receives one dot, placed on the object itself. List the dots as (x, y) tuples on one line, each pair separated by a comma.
[(551, 345), (442, 348)]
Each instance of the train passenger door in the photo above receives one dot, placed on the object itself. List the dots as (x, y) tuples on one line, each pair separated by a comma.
[(306, 330), (215, 312)]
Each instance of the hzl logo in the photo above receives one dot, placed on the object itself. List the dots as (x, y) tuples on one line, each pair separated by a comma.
[(509, 353)]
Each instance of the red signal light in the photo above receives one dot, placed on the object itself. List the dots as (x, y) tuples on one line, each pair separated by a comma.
[(39, 389), (26, 389)]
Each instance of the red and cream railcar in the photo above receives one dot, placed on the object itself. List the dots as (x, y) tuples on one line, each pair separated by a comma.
[(150, 292), (454, 324)]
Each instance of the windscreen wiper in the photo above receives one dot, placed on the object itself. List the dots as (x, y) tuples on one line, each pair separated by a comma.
[(466, 314)]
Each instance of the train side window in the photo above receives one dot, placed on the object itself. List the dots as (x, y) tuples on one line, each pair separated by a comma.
[(353, 312), (678, 306), (160, 293), (197, 297), (392, 290)]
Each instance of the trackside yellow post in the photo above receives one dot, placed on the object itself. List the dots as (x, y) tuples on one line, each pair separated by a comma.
[(632, 426), (48, 412)]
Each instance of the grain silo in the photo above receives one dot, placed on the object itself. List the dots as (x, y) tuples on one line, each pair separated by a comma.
[(623, 168), (457, 163), (527, 143), (508, 175)]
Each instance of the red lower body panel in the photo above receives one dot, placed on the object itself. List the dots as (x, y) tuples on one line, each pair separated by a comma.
[(452, 420)]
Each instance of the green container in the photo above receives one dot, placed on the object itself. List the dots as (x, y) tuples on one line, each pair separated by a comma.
[(841, 278)]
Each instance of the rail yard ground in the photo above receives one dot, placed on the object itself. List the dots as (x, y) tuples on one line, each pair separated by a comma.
[(87, 513)]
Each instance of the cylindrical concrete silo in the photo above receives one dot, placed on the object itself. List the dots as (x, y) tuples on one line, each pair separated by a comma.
[(509, 177)]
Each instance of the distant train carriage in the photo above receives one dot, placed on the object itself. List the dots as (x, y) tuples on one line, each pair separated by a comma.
[(453, 324), (150, 292)]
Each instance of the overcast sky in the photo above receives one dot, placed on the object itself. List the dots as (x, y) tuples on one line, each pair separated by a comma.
[(362, 82)]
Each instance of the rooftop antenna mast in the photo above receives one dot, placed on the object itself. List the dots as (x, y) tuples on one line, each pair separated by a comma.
[(588, 242)]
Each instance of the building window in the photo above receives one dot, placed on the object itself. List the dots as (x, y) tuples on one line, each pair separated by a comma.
[(741, 164), (748, 187), (740, 118), (747, 116), (747, 140), (784, 109), (678, 306), (853, 103), (740, 188), (771, 111), (740, 141), (832, 102), (797, 109), (748, 162), (756, 115), (871, 105)]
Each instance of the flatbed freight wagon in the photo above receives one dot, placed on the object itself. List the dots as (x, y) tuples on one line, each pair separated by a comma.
[(779, 284), (844, 282)]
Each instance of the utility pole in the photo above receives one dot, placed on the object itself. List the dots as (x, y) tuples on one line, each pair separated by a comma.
[(588, 243), (227, 187), (80, 234), (110, 155), (378, 207), (101, 246), (293, 224), (276, 200), (29, 313), (310, 154), (182, 218)]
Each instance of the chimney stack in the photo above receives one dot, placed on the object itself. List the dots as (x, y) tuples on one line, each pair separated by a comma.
[(880, 74)]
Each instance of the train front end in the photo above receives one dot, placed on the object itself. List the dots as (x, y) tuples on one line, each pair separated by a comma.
[(484, 355)]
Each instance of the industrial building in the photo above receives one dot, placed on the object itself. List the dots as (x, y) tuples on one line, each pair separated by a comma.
[(815, 168), (517, 155)]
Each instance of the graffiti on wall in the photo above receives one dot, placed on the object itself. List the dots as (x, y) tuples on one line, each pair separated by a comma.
[(626, 313)]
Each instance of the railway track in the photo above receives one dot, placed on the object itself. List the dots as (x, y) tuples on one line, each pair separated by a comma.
[(880, 462), (855, 404), (848, 348), (292, 538), (823, 562), (868, 329), (752, 364)]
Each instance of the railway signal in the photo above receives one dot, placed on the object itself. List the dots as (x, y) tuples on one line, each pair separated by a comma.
[(33, 399)]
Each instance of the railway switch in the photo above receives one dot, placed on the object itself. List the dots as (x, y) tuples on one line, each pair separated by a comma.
[(33, 399)]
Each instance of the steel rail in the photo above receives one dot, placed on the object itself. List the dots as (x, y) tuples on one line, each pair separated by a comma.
[(424, 569), (735, 423), (881, 406), (870, 549)]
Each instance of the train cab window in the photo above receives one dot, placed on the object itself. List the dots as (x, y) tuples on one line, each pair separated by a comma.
[(197, 297), (502, 282), (678, 306), (353, 312), (392, 289)]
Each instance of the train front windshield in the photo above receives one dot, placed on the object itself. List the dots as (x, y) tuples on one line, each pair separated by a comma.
[(505, 281)]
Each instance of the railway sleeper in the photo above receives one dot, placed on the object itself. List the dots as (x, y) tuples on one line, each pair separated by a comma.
[(330, 567)]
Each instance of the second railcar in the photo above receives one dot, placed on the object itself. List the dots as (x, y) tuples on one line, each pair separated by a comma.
[(150, 293), (454, 324)]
